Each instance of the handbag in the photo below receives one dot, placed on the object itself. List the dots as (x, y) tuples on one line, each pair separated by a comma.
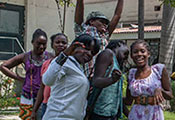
[(93, 95)]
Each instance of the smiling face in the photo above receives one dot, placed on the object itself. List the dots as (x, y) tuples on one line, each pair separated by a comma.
[(100, 24), (60, 43), (39, 45), (84, 55), (140, 54)]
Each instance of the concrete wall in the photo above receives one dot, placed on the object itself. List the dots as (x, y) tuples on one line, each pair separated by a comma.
[(43, 14), (130, 11)]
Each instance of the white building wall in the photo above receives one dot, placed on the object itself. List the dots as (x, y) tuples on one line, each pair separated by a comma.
[(130, 11), (43, 14)]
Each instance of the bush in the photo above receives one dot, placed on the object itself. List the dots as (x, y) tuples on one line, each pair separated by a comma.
[(9, 102), (172, 101), (7, 94)]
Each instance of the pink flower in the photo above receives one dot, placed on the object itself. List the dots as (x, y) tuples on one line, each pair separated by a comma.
[(18, 98)]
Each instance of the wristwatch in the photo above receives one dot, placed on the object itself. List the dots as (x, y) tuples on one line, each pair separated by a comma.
[(61, 59)]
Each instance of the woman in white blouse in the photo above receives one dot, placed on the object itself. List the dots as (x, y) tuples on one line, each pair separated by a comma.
[(69, 85)]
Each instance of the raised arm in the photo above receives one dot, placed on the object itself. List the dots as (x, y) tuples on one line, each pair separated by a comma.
[(115, 19), (56, 69), (7, 65), (79, 12)]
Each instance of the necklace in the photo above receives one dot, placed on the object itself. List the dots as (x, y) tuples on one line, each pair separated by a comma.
[(38, 63)]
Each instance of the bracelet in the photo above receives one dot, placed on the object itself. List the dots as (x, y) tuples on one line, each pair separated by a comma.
[(61, 59)]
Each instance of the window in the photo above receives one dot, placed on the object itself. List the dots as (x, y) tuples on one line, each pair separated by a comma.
[(157, 8), (11, 30)]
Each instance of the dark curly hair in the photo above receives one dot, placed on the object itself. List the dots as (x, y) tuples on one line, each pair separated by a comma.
[(86, 39), (38, 32), (54, 36), (115, 43), (140, 42)]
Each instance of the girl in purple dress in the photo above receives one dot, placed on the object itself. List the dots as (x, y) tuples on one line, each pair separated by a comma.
[(148, 85), (33, 61)]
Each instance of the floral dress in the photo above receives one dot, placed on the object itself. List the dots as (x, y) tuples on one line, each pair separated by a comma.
[(146, 87)]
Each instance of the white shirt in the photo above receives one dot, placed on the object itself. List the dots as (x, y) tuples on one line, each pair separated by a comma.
[(69, 89)]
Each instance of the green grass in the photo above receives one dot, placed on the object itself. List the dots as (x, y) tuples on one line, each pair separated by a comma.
[(169, 115)]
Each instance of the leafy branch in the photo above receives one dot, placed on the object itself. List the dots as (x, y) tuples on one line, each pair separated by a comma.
[(65, 4), (167, 2)]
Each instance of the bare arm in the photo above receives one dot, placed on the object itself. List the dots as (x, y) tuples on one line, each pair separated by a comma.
[(103, 61), (79, 12), (7, 65), (115, 19), (160, 94), (166, 91), (38, 102), (128, 99)]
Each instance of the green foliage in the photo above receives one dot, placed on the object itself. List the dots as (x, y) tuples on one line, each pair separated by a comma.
[(172, 101), (9, 102), (6, 91), (171, 2), (6, 86), (124, 85), (62, 2)]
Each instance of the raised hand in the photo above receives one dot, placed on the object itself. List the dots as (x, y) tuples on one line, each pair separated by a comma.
[(71, 49)]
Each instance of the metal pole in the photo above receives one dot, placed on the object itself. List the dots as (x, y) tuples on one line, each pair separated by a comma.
[(141, 19)]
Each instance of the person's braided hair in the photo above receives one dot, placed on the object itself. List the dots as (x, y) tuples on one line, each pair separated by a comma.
[(38, 32), (115, 44), (140, 42)]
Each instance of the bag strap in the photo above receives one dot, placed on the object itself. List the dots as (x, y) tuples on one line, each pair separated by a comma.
[(31, 76)]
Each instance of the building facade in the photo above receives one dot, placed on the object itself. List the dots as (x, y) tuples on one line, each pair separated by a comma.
[(20, 18)]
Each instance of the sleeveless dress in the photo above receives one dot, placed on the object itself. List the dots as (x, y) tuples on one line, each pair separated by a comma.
[(109, 102), (146, 87), (36, 76), (29, 92)]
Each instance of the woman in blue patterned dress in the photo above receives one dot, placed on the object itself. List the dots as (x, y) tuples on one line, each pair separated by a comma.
[(148, 85)]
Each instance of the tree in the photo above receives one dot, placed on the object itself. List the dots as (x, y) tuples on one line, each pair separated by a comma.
[(141, 19), (65, 4), (167, 41)]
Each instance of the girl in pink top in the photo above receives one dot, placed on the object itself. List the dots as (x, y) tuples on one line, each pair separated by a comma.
[(59, 43)]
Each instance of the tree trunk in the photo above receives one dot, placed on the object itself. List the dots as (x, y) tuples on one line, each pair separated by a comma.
[(167, 41), (141, 19)]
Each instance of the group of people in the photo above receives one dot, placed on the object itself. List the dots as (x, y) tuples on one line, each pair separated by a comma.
[(59, 84)]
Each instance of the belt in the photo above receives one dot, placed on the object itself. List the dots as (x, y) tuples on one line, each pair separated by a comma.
[(145, 100)]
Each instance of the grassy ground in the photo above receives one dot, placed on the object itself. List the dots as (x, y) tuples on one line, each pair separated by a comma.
[(169, 115)]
